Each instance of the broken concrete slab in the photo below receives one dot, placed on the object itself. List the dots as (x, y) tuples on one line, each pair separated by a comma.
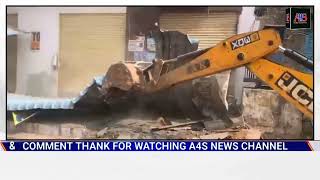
[(267, 110), (247, 134), (164, 121), (216, 136), (212, 125), (102, 132)]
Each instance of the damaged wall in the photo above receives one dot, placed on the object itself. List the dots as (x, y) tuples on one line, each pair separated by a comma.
[(245, 21), (267, 110)]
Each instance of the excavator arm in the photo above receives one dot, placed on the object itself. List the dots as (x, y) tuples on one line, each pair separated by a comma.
[(248, 49), (236, 51), (294, 86)]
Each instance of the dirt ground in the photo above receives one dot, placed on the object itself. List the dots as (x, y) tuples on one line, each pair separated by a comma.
[(129, 125), (24, 135)]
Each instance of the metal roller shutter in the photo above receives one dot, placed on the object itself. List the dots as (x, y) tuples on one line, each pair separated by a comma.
[(209, 29), (89, 44)]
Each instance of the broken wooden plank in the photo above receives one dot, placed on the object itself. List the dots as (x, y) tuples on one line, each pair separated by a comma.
[(175, 126)]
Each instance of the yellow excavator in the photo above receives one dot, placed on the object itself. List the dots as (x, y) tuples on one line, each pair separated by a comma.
[(249, 49)]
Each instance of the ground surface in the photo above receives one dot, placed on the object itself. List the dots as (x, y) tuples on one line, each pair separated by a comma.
[(130, 125)]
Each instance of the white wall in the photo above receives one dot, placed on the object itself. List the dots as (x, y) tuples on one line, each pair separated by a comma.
[(246, 20), (2, 76), (35, 73)]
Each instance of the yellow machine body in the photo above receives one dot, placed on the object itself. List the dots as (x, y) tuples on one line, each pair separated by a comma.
[(296, 87), (248, 49)]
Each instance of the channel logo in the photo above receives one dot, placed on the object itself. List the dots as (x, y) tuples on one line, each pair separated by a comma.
[(298, 18), (301, 18)]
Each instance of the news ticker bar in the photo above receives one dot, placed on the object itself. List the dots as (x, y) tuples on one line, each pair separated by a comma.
[(157, 145)]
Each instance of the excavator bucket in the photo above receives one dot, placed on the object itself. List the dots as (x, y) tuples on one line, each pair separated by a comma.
[(199, 99), (136, 83)]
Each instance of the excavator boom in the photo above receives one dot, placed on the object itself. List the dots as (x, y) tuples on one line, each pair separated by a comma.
[(248, 49), (234, 52), (294, 86)]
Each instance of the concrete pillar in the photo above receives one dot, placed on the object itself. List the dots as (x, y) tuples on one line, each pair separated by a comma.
[(246, 23)]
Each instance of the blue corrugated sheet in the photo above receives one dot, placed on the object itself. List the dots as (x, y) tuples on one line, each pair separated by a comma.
[(19, 102), (89, 95)]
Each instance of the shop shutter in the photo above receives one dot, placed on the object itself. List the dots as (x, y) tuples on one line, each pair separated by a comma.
[(208, 28), (89, 44)]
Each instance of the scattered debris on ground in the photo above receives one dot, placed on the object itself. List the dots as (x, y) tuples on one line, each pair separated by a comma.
[(134, 125)]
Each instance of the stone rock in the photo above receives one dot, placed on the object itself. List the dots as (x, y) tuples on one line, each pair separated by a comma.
[(268, 110), (214, 125)]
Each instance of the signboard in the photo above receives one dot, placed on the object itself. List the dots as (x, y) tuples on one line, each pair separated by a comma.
[(136, 45), (35, 41)]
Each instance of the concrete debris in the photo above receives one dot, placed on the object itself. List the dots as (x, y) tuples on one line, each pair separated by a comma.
[(173, 126), (225, 135), (247, 134), (102, 132), (164, 121), (123, 76), (200, 99), (277, 118), (234, 134), (214, 125), (132, 126)]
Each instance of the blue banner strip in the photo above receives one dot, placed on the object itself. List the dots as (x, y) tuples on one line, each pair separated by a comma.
[(152, 145)]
